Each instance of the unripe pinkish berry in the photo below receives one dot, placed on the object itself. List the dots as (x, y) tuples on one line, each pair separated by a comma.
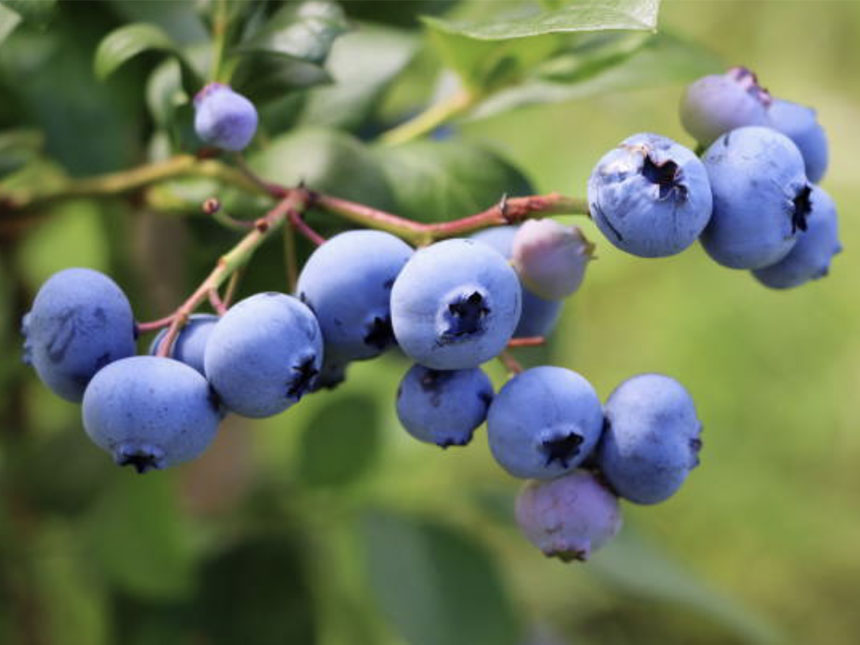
[(569, 517), (550, 258)]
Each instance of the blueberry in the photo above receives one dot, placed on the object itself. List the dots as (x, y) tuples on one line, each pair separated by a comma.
[(800, 124), (650, 196), (550, 258), (443, 407), (190, 344), (80, 321), (721, 102), (810, 258), (455, 305), (539, 316), (347, 284), (569, 517), (761, 198), (150, 412), (223, 117), (651, 440), (544, 422), (264, 354)]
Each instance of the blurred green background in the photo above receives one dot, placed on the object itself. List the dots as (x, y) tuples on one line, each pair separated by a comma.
[(329, 524)]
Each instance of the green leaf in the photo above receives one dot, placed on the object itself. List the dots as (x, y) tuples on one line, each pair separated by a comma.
[(340, 442), (494, 52), (532, 20), (634, 567), (663, 60), (8, 21), (262, 77), (127, 42), (123, 44), (362, 65), (435, 584), (444, 180), (303, 31), (139, 537), (37, 12), (326, 160)]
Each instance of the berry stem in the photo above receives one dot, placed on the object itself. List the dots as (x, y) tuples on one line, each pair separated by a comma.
[(217, 304), (232, 285), (219, 40), (128, 180), (528, 341), (296, 200), (431, 118), (511, 364), (507, 211), (299, 224), (153, 325)]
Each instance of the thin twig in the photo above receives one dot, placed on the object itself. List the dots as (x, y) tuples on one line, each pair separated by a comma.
[(154, 325), (526, 341), (510, 363)]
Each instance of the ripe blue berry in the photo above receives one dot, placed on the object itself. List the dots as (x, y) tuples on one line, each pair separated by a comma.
[(347, 284), (80, 321), (550, 258), (800, 124), (150, 412), (190, 344), (443, 407), (650, 196), (224, 118), (651, 440), (721, 102), (569, 517), (538, 316), (761, 197), (455, 305), (810, 257), (264, 354), (544, 422)]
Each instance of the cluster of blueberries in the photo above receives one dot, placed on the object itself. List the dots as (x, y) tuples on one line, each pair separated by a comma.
[(455, 304), (751, 199)]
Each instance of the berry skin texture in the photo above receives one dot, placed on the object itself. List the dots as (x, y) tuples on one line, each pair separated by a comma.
[(650, 196), (80, 321), (347, 284), (224, 118), (544, 422), (719, 103), (190, 344), (539, 316), (800, 124), (455, 305), (150, 412), (569, 517), (651, 440), (761, 198), (550, 258), (264, 354), (811, 256), (443, 407)]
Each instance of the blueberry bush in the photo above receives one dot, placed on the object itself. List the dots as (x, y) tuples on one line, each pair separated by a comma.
[(227, 221)]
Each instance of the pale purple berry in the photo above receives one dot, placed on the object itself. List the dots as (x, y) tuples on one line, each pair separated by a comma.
[(550, 258), (721, 102), (569, 517), (223, 117)]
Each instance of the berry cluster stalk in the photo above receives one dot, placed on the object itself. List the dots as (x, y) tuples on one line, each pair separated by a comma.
[(295, 202)]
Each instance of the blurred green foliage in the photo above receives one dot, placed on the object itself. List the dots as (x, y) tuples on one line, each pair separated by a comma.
[(329, 524)]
